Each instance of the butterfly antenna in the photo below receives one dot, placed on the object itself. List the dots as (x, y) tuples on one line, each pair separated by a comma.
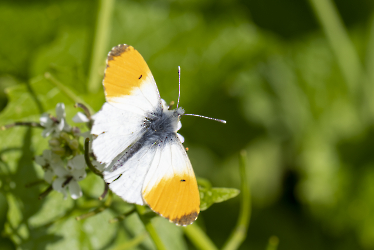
[(179, 94), (214, 119)]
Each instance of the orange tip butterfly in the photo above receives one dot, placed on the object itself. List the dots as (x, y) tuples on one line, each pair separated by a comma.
[(137, 140)]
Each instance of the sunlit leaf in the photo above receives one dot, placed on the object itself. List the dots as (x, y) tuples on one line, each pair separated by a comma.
[(209, 196)]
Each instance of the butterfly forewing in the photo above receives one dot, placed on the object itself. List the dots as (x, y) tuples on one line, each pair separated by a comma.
[(116, 129), (128, 82)]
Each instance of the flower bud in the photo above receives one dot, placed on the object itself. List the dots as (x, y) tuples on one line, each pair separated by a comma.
[(73, 144), (59, 151), (54, 142), (75, 130), (64, 136)]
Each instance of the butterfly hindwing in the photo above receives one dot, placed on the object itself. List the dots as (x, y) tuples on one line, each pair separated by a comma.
[(126, 174), (170, 187)]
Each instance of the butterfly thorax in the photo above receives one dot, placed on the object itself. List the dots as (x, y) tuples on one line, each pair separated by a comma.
[(162, 121)]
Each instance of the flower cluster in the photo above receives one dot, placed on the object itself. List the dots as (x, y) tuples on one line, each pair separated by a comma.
[(64, 163)]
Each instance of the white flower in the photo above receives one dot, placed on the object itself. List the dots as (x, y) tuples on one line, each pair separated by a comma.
[(75, 172), (80, 117), (49, 161), (54, 125)]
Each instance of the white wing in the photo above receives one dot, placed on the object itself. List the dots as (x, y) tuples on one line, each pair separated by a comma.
[(131, 94), (128, 81), (170, 186), (116, 129), (127, 172)]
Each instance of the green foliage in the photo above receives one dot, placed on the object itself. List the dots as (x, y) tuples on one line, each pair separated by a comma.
[(209, 195)]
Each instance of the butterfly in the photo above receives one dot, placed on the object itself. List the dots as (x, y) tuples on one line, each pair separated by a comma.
[(136, 138)]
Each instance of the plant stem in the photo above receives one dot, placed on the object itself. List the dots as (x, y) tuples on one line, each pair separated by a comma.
[(106, 189), (133, 242), (34, 183), (87, 113), (149, 227), (97, 210), (85, 109), (369, 87), (370, 52), (46, 192), (27, 124), (273, 243), (122, 216), (90, 214), (102, 34), (70, 94), (340, 43), (239, 233), (87, 158), (198, 237)]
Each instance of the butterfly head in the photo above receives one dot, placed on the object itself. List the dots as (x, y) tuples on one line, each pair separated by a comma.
[(178, 112), (173, 116)]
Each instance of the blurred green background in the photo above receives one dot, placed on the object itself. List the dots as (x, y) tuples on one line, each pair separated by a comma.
[(294, 80)]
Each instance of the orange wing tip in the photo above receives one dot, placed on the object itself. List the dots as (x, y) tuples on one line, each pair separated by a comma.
[(185, 220), (125, 71), (176, 199), (118, 51)]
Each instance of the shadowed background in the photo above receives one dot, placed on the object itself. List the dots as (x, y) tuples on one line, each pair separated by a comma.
[(294, 84)]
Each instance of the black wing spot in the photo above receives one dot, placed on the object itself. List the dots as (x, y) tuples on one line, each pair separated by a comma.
[(140, 76), (183, 180)]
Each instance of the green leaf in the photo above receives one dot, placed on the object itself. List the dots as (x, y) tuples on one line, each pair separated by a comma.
[(208, 196), (3, 211), (170, 234), (203, 183), (40, 23), (5, 243), (64, 57)]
